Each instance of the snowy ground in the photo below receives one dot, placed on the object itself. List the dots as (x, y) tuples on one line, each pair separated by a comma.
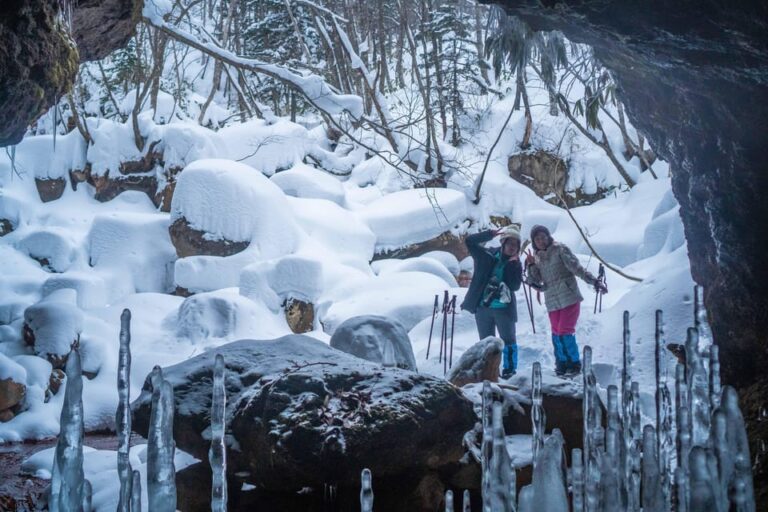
[(311, 236)]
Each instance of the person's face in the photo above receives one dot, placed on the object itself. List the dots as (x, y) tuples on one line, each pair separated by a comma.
[(464, 279), (541, 240), (511, 247)]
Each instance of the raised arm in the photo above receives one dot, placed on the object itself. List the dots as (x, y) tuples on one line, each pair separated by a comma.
[(571, 262), (473, 242)]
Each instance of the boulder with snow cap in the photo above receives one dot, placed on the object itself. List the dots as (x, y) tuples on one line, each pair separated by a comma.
[(53, 248), (375, 338), (54, 325), (480, 362), (302, 414), (221, 207)]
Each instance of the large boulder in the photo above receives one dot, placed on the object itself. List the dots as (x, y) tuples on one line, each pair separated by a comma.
[(189, 241), (375, 338), (478, 363), (53, 326), (303, 414)]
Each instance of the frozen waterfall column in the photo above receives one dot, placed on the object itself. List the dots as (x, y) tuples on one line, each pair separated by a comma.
[(217, 455), (68, 489), (366, 491), (123, 414), (161, 471)]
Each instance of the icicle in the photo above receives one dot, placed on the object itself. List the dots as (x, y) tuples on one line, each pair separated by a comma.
[(683, 426), (87, 496), (593, 435), (501, 473), (725, 461), (526, 499), (161, 473), (681, 487), (217, 455), (549, 489), (466, 506), (738, 446), (610, 483), (577, 480), (449, 501), (67, 479), (701, 498), (538, 417), (626, 377), (136, 492), (366, 491), (715, 389), (486, 446), (698, 389), (614, 421), (664, 441), (653, 497), (683, 438), (123, 414)]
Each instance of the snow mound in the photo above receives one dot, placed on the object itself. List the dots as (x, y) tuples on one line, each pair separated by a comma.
[(56, 322), (336, 228), (232, 201), (267, 147), (220, 314), (10, 369), (38, 156), (53, 248), (407, 297), (275, 281), (304, 181), (665, 231), (137, 244), (419, 264), (209, 273), (447, 259), (411, 216), (94, 288)]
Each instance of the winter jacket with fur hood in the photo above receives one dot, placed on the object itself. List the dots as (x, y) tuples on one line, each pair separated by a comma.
[(485, 260), (555, 272)]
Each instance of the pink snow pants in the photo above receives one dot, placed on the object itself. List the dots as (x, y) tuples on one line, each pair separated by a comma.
[(564, 320)]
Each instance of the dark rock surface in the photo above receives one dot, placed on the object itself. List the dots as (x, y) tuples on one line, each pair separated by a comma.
[(39, 59), (191, 242), (5, 227), (370, 337), (38, 64), (444, 242), (101, 26), (694, 79), (480, 362), (50, 189), (304, 414)]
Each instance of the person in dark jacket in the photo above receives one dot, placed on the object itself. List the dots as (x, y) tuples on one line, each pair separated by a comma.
[(491, 294), (553, 268)]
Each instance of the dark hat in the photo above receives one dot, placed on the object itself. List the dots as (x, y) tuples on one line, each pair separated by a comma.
[(538, 228)]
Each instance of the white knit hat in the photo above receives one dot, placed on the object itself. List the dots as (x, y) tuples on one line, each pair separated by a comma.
[(511, 231)]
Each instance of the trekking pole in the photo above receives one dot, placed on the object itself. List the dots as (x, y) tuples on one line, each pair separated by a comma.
[(529, 301), (598, 289), (453, 323), (446, 306), (432, 325), (443, 326)]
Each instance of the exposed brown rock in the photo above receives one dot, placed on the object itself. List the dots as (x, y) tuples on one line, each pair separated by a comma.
[(6, 416), (191, 242), (102, 26), (50, 189), (56, 380), (108, 188), (11, 393), (300, 315), (444, 242), (5, 227), (547, 175)]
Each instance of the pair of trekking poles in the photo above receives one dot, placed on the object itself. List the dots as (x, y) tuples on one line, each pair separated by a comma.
[(446, 350)]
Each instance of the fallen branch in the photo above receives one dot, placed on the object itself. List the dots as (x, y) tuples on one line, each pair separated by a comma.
[(488, 157)]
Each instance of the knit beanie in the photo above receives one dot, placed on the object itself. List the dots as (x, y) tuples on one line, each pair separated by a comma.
[(511, 231)]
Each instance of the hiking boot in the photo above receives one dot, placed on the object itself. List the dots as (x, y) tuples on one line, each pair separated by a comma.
[(560, 368), (573, 369), (507, 373)]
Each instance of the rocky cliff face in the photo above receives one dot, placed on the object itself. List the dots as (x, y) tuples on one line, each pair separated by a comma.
[(39, 58), (694, 78)]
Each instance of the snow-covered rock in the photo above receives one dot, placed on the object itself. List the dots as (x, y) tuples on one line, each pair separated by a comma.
[(304, 181), (53, 248), (56, 323), (375, 338), (136, 244), (411, 216), (480, 362), (447, 259), (418, 264), (316, 414), (232, 201)]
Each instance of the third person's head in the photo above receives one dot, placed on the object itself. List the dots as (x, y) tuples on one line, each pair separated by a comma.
[(540, 237)]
